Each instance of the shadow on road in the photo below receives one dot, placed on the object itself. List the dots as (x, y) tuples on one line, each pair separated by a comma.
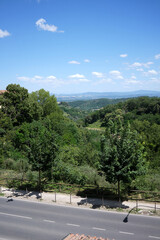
[(97, 203)]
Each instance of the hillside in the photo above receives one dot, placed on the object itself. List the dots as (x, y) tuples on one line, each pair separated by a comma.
[(142, 113), (77, 110), (95, 104)]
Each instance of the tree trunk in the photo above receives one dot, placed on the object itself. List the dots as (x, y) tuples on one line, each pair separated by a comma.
[(119, 191)]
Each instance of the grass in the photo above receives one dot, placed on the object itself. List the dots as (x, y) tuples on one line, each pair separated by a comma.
[(96, 126)]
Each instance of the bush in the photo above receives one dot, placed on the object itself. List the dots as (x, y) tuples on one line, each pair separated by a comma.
[(149, 182)]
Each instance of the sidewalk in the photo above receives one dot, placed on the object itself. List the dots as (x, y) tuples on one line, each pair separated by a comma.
[(94, 203)]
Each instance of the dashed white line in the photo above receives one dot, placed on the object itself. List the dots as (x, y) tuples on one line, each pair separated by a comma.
[(74, 225), (100, 229), (13, 215), (50, 221), (154, 237), (129, 233)]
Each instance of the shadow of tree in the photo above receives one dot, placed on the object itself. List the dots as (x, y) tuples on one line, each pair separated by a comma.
[(100, 197), (22, 193), (97, 203)]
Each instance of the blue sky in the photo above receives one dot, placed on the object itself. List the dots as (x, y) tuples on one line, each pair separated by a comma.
[(74, 46)]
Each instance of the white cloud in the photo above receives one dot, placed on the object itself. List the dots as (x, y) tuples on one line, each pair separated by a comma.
[(104, 80), (154, 72), (39, 79), (86, 60), (97, 74), (77, 78), (132, 81), (147, 65), (25, 79), (52, 78), (123, 55), (136, 64), (4, 33), (74, 62), (81, 80), (116, 74), (41, 24), (139, 65), (133, 77), (150, 73), (157, 56), (80, 76), (140, 69)]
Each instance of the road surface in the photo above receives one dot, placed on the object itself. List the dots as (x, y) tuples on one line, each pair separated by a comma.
[(23, 220)]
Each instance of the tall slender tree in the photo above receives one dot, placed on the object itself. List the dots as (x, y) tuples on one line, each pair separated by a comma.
[(123, 154)]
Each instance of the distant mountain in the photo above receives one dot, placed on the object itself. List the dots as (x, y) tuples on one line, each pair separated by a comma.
[(110, 95)]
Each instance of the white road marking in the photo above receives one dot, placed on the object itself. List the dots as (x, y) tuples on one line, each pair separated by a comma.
[(74, 225), (13, 215), (100, 229), (45, 220), (129, 233), (154, 237)]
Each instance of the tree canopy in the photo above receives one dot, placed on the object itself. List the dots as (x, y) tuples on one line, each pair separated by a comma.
[(123, 155)]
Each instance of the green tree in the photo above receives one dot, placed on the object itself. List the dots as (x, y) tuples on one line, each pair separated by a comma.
[(39, 146), (46, 102), (122, 154), (14, 104)]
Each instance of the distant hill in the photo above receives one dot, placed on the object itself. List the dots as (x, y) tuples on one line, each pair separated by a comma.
[(95, 104), (110, 95), (140, 108)]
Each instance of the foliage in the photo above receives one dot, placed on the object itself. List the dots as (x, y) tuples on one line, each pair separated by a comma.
[(47, 104), (43, 141), (148, 182), (73, 113), (38, 144), (122, 154), (14, 104)]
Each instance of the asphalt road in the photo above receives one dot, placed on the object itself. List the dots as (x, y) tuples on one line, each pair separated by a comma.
[(23, 220)]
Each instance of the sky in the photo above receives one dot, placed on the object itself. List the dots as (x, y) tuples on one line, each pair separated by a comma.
[(77, 46)]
